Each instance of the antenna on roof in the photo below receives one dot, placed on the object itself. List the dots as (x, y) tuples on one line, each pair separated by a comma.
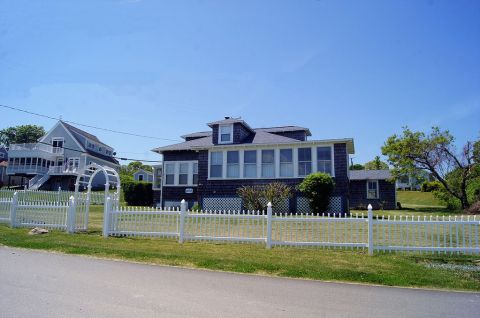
[(227, 117)]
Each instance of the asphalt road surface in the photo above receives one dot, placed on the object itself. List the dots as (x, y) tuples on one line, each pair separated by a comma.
[(41, 284)]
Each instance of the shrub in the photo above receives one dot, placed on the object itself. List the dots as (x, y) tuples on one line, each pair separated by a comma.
[(256, 197), (138, 193), (429, 186), (195, 207), (318, 187)]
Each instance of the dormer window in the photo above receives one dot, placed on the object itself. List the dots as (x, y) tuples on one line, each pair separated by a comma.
[(225, 134)]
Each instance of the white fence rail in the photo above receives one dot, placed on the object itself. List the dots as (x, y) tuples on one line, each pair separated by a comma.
[(70, 216), (446, 234), (51, 196)]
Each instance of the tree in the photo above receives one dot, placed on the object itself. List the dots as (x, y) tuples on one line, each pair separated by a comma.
[(376, 164), (21, 134), (318, 187), (357, 166), (434, 152)]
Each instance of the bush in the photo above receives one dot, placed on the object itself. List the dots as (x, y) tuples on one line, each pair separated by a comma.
[(138, 193), (318, 187), (255, 198), (429, 186)]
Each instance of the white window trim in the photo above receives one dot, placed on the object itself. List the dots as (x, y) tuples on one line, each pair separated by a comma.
[(276, 149), (155, 176), (220, 134), (177, 174), (378, 190)]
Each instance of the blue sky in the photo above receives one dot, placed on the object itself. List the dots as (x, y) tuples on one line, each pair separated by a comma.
[(360, 69)]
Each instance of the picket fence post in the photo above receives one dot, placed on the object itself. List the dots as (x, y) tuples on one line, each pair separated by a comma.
[(71, 215), (269, 225), (13, 210), (58, 194), (106, 216), (370, 230), (183, 212)]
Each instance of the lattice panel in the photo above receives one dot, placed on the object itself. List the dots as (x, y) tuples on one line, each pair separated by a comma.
[(334, 207), (283, 207), (232, 204)]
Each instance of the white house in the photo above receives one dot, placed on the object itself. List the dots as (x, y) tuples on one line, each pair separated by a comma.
[(56, 159)]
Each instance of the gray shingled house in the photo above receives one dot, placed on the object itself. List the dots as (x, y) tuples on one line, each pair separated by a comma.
[(373, 187), (209, 166)]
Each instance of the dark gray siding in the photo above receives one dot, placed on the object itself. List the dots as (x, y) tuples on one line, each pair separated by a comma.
[(298, 135), (358, 195), (341, 174), (240, 133)]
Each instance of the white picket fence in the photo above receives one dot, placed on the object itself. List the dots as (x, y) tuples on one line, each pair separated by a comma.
[(409, 234), (70, 216), (50, 196)]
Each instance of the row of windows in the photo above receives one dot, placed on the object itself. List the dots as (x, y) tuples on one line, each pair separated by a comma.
[(181, 173), (30, 162), (264, 166), (100, 149)]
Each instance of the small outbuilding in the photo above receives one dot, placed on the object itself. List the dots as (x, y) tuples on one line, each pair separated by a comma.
[(143, 175), (375, 187)]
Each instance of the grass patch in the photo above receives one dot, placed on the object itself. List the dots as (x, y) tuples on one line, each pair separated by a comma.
[(418, 198), (397, 269), (310, 263)]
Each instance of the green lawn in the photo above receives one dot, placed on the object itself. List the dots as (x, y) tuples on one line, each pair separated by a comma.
[(310, 263), (418, 199)]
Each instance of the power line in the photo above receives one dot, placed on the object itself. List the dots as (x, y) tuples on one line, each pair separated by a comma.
[(86, 152), (89, 126)]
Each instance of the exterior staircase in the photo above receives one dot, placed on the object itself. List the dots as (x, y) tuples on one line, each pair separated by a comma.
[(36, 182)]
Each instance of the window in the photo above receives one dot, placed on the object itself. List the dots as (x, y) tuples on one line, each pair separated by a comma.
[(372, 189), (195, 173), (233, 167), (140, 177), (268, 163), (169, 173), (286, 163), (216, 164), (57, 145), (324, 160), (34, 161), (304, 161), (250, 164), (225, 134), (183, 174), (2, 155), (90, 145)]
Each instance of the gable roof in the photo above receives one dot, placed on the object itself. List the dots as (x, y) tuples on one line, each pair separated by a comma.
[(370, 174), (77, 131), (143, 171)]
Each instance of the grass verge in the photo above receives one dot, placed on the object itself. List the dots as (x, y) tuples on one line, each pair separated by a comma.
[(309, 263)]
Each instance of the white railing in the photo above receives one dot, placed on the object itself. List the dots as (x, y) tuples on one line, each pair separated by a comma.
[(31, 146), (12, 169), (51, 196), (62, 169), (446, 235)]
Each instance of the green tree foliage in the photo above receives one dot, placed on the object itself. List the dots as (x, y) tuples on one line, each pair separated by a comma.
[(429, 186), (357, 166), (256, 197), (376, 164), (21, 134), (318, 187), (138, 193), (433, 152)]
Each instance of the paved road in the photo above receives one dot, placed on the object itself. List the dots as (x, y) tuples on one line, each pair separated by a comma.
[(40, 284)]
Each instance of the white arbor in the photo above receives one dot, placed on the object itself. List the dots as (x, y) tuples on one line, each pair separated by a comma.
[(85, 178)]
